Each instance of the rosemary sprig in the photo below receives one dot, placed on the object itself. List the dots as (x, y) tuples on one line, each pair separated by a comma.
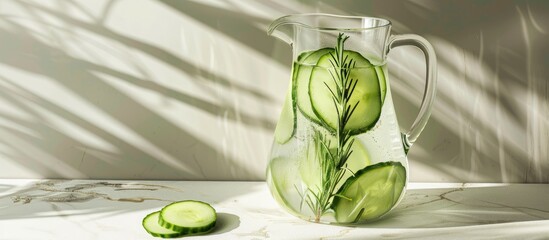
[(332, 162)]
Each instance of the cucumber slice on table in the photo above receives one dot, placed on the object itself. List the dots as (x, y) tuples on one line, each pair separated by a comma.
[(188, 217), (302, 79), (372, 192), (367, 93), (150, 223)]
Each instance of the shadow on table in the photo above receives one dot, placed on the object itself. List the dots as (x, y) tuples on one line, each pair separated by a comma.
[(457, 207), (63, 198), (5, 187), (226, 222)]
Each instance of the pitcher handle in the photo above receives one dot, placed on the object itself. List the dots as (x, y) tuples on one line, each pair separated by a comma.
[(429, 93)]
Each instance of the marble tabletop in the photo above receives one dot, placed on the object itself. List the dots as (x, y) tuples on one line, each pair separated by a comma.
[(100, 209)]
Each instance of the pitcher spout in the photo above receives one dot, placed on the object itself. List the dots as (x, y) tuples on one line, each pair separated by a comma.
[(283, 28)]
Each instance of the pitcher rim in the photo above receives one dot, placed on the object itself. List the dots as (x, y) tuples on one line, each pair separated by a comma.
[(386, 22)]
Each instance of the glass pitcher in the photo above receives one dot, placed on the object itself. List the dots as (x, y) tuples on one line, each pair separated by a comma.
[(338, 155)]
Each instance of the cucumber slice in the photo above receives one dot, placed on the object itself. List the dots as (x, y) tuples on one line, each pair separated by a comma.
[(382, 82), (150, 223), (367, 94), (285, 128), (358, 159), (303, 77), (188, 217), (372, 192), (311, 173), (310, 170), (302, 56), (282, 176)]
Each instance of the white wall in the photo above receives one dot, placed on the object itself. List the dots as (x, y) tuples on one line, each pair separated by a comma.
[(142, 89)]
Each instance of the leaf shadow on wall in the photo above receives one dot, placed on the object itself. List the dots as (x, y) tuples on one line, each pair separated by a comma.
[(81, 77), (486, 125), (443, 147)]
